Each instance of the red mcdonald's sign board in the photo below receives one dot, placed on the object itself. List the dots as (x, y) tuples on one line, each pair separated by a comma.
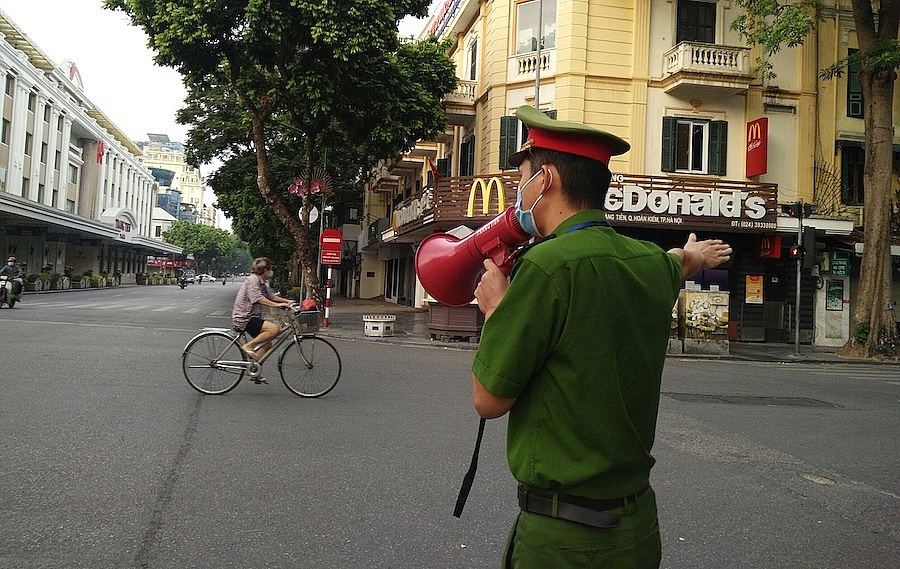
[(769, 247), (757, 146)]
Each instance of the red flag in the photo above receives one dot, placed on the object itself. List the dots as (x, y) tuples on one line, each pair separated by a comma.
[(101, 150), (434, 170)]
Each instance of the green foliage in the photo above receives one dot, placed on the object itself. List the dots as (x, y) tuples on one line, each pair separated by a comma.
[(772, 24), (862, 333), (279, 85)]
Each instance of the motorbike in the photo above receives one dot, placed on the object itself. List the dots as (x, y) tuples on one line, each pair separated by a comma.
[(8, 295), (182, 282)]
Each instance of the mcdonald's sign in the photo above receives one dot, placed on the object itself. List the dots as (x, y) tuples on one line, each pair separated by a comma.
[(486, 188), (769, 247), (757, 146)]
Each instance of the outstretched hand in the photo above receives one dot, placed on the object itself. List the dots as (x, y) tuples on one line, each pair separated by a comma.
[(698, 255)]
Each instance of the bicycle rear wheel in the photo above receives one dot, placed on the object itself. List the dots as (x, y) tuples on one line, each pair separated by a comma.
[(310, 366), (212, 363)]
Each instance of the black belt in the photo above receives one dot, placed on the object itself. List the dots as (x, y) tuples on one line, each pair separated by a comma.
[(591, 513)]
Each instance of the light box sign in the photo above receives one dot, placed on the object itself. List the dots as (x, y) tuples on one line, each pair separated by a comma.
[(757, 147)]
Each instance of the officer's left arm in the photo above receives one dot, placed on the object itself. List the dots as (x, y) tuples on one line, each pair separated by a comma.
[(486, 403)]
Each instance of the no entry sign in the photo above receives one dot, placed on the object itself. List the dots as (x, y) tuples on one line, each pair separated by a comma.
[(330, 247)]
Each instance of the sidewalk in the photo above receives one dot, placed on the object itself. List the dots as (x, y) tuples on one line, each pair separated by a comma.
[(411, 327)]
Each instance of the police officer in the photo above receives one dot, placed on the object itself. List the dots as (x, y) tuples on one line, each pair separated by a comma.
[(573, 347)]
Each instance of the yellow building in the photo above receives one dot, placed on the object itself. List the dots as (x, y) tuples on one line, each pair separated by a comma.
[(160, 153), (714, 149)]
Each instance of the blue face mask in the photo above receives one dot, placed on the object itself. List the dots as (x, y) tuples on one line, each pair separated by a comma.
[(526, 218)]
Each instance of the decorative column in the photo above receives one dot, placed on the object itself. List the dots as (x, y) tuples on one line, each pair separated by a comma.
[(15, 174)]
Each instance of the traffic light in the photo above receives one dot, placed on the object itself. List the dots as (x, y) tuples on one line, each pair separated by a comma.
[(812, 246), (796, 251)]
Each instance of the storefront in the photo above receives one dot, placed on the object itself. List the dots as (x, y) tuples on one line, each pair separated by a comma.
[(761, 279)]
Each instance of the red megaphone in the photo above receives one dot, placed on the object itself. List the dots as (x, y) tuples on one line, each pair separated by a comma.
[(449, 268)]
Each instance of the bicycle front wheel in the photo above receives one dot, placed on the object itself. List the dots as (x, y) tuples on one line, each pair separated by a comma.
[(213, 363), (310, 366)]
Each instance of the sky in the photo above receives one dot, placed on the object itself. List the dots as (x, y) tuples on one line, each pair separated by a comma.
[(115, 64)]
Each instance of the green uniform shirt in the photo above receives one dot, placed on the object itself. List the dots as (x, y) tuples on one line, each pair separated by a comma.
[(580, 340)]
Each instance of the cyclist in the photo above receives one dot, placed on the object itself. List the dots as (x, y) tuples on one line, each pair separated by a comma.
[(247, 312)]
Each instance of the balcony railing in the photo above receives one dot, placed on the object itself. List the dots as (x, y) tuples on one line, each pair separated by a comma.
[(524, 66), (707, 58), (702, 70)]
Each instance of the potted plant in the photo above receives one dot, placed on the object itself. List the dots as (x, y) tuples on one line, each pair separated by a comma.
[(33, 283), (97, 281), (55, 281), (140, 278), (44, 277)]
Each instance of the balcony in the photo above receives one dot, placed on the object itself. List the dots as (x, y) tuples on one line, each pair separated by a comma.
[(523, 67), (705, 71), (460, 104)]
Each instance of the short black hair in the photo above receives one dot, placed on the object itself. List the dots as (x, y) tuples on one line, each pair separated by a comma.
[(584, 181)]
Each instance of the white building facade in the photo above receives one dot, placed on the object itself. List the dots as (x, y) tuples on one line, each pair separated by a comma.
[(74, 195)]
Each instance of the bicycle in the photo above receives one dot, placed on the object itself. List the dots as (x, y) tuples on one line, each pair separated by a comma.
[(214, 361)]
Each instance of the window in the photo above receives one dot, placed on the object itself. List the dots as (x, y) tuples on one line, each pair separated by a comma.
[(40, 197), (4, 132), (47, 114), (73, 174), (43, 153), (527, 26), (32, 101), (70, 206), (59, 123), (159, 230), (10, 84), (26, 187), (696, 21), (473, 60), (467, 157), (695, 146), (853, 161), (512, 135), (29, 143), (55, 197), (854, 89), (56, 161)]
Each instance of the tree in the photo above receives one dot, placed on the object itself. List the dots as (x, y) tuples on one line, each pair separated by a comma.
[(204, 242), (315, 66), (770, 24)]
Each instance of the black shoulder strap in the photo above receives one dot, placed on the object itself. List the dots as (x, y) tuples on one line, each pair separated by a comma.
[(470, 475)]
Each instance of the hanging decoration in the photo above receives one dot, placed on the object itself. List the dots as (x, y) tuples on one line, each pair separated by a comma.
[(311, 183)]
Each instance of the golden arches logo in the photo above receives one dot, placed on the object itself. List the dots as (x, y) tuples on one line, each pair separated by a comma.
[(754, 131), (486, 195)]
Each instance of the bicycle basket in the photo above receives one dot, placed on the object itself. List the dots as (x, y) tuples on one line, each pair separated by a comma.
[(306, 321)]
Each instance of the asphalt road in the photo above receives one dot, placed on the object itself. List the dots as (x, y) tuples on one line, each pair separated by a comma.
[(109, 459)]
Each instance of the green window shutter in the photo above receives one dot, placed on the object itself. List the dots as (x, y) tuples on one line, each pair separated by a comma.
[(443, 167), (669, 126), (718, 146), (508, 127)]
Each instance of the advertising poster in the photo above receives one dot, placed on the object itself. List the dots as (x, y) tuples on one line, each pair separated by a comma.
[(754, 293), (834, 295)]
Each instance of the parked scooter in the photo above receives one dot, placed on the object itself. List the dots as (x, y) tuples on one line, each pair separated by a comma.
[(8, 294)]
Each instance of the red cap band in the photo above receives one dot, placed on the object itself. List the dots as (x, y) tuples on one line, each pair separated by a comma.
[(570, 143)]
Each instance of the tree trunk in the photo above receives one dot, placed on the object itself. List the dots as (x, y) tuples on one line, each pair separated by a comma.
[(875, 270), (294, 226)]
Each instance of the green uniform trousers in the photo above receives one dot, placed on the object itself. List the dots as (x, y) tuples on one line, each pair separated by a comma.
[(542, 542)]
